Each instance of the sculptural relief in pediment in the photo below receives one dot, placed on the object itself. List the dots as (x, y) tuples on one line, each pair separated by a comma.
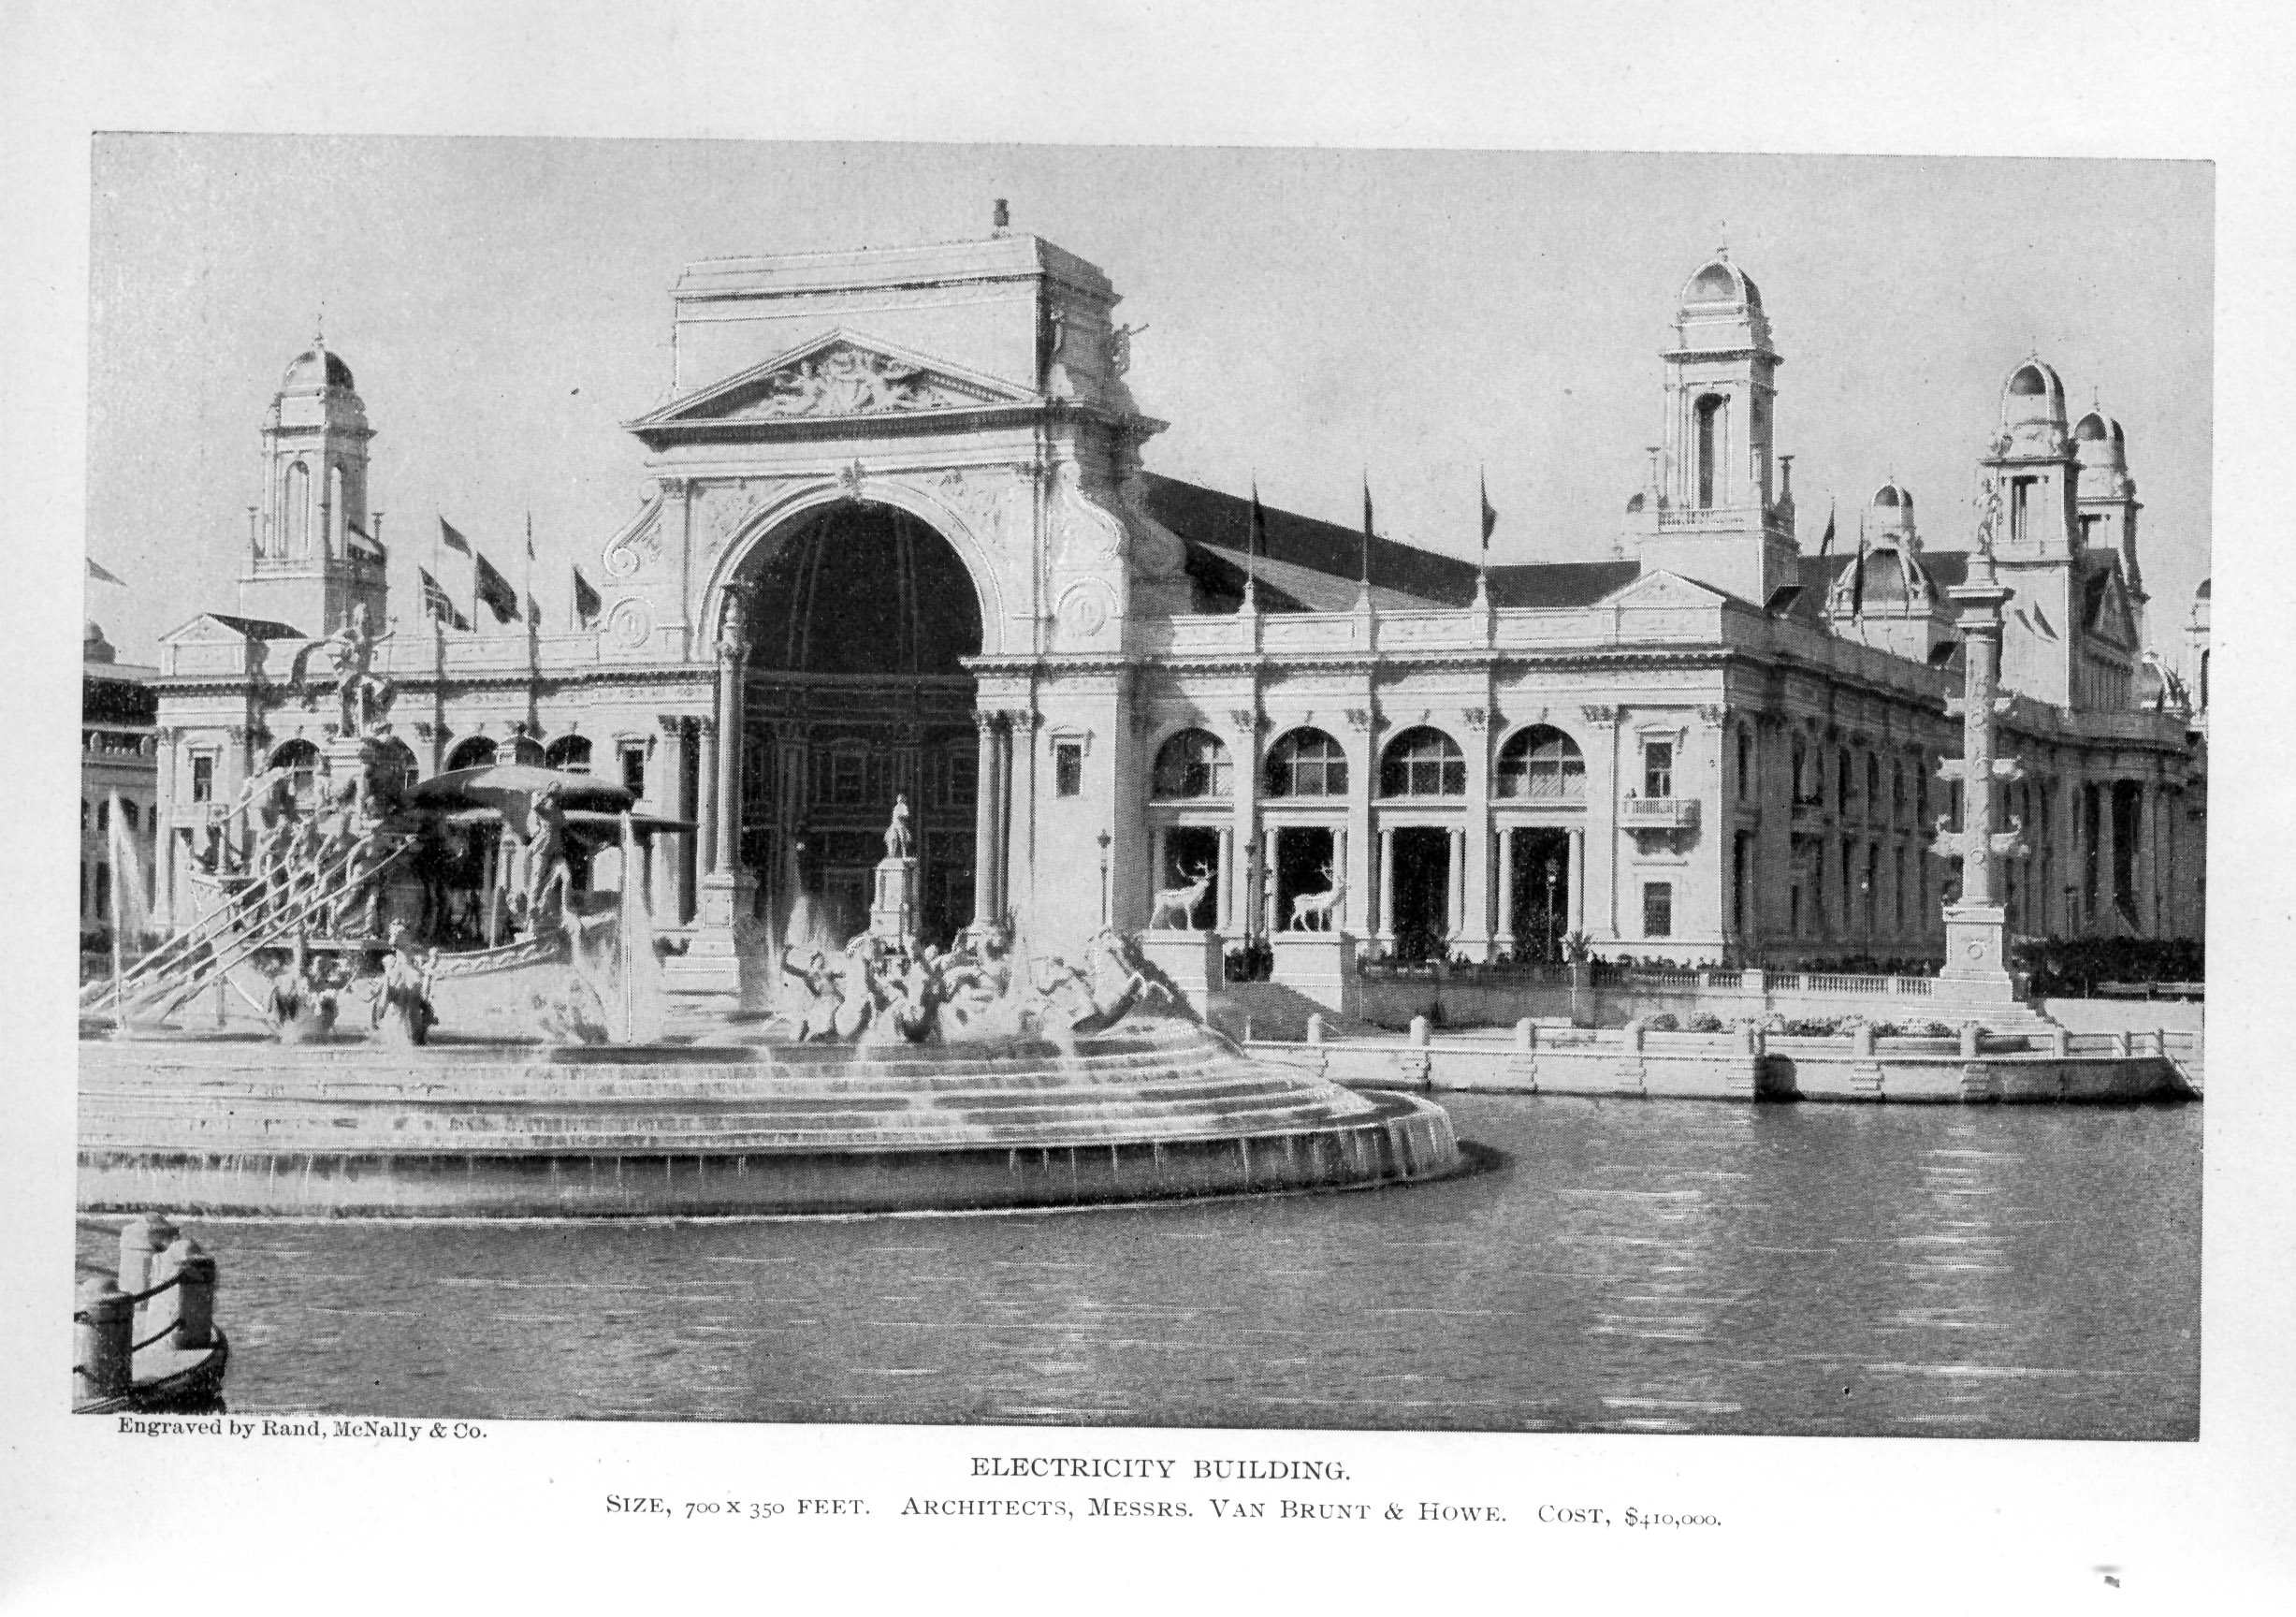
[(845, 379)]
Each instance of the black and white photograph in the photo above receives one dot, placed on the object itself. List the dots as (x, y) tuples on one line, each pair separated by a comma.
[(1118, 821)]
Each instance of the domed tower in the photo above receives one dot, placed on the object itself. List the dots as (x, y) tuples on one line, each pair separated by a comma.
[(2107, 499), (1714, 517), (1885, 595), (2030, 473), (312, 556)]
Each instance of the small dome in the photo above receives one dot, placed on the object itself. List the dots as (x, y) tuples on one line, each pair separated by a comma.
[(94, 648), (2029, 380), (2094, 430), (1890, 496), (2202, 593), (1722, 282), (317, 367), (1634, 502)]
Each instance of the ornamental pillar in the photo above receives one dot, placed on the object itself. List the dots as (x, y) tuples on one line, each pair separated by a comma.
[(1384, 903), (1505, 937), (1229, 907), (1579, 878), (1270, 921), (985, 821)]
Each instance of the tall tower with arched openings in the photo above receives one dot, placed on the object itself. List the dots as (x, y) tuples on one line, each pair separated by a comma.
[(311, 557), (2106, 500), (1716, 516)]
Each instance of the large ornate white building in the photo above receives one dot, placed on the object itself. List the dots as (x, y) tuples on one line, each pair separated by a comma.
[(897, 537)]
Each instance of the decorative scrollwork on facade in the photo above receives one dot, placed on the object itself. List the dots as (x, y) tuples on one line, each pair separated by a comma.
[(1360, 719), (1476, 717), (1598, 714)]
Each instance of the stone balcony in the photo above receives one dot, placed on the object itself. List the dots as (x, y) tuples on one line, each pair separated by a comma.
[(1659, 814)]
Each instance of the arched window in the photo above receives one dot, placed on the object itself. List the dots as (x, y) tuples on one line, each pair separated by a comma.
[(294, 511), (1897, 788), (333, 512), (522, 750), (1542, 762), (395, 768), (103, 816), (1713, 422), (301, 759), (1845, 780), (84, 813), (1802, 793), (1193, 764), (1873, 783), (127, 812), (571, 753), (1307, 763), (472, 753), (1423, 763)]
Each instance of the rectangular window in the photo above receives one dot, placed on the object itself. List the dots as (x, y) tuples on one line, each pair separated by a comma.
[(634, 768), (2020, 500), (1658, 908), (848, 778), (1658, 769), (1069, 768), (203, 778), (1746, 765)]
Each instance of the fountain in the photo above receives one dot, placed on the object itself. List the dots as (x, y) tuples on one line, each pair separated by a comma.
[(403, 1003)]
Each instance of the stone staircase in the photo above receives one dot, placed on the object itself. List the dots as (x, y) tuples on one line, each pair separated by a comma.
[(1273, 1010)]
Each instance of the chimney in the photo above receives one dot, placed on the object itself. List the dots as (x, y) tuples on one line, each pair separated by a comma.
[(1002, 221)]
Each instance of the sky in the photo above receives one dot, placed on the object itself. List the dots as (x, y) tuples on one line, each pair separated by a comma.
[(1312, 317)]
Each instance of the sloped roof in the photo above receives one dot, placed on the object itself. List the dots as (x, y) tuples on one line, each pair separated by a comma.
[(1313, 566), (1305, 557), (253, 628)]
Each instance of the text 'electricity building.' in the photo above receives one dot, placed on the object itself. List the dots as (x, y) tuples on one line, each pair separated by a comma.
[(898, 539)]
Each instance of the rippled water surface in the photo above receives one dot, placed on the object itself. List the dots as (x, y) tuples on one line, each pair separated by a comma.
[(1631, 1265)]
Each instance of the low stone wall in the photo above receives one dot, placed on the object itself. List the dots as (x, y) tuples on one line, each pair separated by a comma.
[(1735, 1065), (1471, 996)]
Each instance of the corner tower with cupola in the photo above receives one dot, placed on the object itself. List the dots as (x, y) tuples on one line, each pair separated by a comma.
[(1712, 511), (311, 557)]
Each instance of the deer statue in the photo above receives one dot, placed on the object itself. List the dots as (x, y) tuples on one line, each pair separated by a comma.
[(1312, 912), (1180, 902)]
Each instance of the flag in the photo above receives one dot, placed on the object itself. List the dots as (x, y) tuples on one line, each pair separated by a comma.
[(365, 543), (1259, 538), (103, 575), (533, 609), (1490, 517), (494, 589), (1857, 581), (437, 603), (1826, 546), (586, 604), (1367, 529), (452, 537)]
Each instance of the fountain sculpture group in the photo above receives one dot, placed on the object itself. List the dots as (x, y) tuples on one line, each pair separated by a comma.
[(518, 1060)]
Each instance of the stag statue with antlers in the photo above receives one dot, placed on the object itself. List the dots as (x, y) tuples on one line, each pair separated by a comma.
[(1180, 902), (1312, 912)]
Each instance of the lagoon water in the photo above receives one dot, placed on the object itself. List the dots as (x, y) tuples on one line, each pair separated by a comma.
[(1629, 1265)]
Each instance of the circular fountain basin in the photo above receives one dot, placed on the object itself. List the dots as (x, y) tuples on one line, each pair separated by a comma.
[(1152, 1109)]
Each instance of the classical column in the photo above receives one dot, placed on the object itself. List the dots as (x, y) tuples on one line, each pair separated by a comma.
[(1579, 878), (1238, 880), (1339, 869), (732, 666), (1455, 897), (1270, 921), (666, 785), (1505, 939), (1472, 927), (1157, 839), (705, 845), (1383, 905), (1000, 824), (985, 820)]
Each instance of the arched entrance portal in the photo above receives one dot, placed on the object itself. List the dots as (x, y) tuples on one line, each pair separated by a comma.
[(859, 617)]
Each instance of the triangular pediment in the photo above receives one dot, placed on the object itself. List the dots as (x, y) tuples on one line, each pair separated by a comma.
[(836, 377), (1664, 588)]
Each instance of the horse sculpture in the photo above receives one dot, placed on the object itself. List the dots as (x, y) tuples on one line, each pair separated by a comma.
[(1312, 912), (1180, 902)]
